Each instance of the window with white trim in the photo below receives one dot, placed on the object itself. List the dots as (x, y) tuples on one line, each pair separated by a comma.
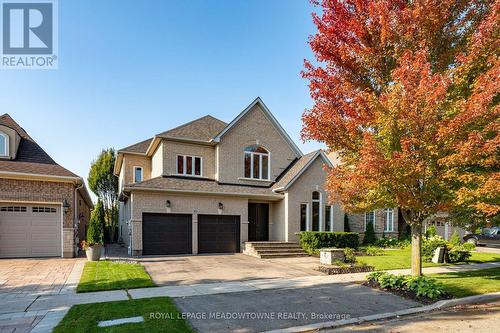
[(4, 144), (316, 201), (328, 218), (389, 220), (189, 165), (303, 216), (257, 163), (138, 173), (370, 218)]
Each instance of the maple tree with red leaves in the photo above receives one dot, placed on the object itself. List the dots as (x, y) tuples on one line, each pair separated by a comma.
[(406, 94)]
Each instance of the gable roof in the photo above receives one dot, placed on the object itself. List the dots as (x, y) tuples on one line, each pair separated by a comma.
[(30, 157), (138, 148), (201, 129), (270, 116), (297, 169)]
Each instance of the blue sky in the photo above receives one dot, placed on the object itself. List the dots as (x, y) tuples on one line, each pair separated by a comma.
[(131, 69)]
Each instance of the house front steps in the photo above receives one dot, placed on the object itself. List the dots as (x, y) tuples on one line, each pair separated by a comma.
[(270, 250)]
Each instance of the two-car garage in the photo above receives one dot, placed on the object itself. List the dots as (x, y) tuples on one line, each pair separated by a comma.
[(30, 230), (167, 234)]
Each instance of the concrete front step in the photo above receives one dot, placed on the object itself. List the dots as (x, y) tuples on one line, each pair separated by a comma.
[(269, 250), (280, 251)]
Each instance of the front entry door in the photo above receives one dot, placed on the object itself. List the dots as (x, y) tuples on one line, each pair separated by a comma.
[(258, 222)]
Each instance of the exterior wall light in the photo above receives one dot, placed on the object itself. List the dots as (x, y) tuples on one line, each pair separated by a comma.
[(221, 206), (169, 204), (65, 205)]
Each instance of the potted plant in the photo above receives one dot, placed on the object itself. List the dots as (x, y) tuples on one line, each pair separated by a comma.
[(95, 234)]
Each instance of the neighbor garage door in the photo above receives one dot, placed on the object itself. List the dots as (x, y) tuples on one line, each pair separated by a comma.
[(30, 230), (166, 234), (218, 234)]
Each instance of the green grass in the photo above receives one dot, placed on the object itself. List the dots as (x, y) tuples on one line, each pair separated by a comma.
[(397, 259), (108, 275), (85, 317), (462, 284)]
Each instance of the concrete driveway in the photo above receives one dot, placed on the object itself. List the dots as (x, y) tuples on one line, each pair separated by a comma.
[(179, 270), (34, 276)]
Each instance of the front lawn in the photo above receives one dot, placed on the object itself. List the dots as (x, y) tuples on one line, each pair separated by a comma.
[(401, 258), (160, 315), (108, 275), (462, 284)]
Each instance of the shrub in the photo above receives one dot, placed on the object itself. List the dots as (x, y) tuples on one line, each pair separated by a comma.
[(350, 257), (430, 231), (369, 234), (389, 242), (95, 231), (458, 256), (313, 241), (423, 286), (455, 239), (429, 246), (468, 246), (373, 251), (391, 281)]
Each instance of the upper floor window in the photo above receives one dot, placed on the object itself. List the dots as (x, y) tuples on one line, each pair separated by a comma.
[(370, 218), (257, 163), (389, 220), (137, 174), (189, 165), (4, 144)]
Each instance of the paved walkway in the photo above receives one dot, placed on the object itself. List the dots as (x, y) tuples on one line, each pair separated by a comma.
[(52, 308)]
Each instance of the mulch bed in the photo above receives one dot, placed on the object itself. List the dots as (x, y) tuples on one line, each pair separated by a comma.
[(406, 293)]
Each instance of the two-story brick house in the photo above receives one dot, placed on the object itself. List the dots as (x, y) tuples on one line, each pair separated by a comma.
[(209, 186)]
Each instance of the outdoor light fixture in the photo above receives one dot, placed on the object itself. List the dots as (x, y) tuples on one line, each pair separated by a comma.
[(66, 205), (221, 206), (169, 204)]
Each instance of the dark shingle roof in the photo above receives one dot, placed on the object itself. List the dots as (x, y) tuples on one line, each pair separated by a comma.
[(202, 129), (200, 185), (294, 170), (140, 147), (30, 158)]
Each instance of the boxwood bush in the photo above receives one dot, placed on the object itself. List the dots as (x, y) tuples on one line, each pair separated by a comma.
[(313, 241)]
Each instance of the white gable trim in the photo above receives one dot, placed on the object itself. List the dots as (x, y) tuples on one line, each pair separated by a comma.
[(297, 176), (271, 118)]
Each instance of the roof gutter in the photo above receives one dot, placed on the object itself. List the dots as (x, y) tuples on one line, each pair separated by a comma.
[(34, 176)]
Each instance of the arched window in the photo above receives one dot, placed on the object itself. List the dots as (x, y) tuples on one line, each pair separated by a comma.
[(257, 162), (316, 204), (4, 144)]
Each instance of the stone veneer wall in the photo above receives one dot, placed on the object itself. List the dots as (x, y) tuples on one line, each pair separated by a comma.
[(44, 191)]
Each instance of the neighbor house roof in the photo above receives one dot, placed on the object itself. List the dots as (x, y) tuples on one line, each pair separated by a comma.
[(200, 186), (30, 157), (295, 171)]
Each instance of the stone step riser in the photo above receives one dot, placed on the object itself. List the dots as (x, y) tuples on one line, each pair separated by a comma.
[(269, 250), (271, 256)]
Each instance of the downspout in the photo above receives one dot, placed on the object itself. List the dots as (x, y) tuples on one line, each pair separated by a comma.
[(76, 222)]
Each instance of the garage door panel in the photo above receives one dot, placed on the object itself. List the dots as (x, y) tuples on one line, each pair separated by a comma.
[(27, 232), (165, 234), (218, 233)]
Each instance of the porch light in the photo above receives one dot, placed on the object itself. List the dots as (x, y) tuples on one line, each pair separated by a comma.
[(168, 204), (221, 206), (65, 205)]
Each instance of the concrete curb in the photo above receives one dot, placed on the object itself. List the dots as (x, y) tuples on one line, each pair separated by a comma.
[(436, 306)]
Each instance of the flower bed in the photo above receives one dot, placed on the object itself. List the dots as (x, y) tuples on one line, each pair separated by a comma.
[(333, 270)]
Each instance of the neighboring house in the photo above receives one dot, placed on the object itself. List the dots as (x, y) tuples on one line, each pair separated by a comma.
[(208, 187), (385, 222), (444, 226), (44, 208)]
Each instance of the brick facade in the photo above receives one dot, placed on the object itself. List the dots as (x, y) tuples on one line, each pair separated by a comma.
[(12, 190), (357, 224)]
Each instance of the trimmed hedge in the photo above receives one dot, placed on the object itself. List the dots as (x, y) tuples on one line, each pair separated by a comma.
[(313, 241)]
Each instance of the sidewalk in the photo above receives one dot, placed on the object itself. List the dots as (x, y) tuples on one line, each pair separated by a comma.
[(48, 310)]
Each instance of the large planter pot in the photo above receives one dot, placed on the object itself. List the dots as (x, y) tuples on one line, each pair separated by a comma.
[(94, 252)]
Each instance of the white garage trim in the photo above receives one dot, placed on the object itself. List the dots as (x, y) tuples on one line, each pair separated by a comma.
[(43, 203)]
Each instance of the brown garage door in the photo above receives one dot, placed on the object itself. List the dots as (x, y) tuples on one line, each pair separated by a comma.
[(166, 234), (30, 230), (218, 234)]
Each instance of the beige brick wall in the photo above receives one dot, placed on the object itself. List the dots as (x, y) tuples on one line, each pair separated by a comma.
[(44, 191), (151, 202), (131, 161), (255, 126), (171, 149), (313, 179)]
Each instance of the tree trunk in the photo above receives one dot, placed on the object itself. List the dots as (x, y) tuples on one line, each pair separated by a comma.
[(416, 249)]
